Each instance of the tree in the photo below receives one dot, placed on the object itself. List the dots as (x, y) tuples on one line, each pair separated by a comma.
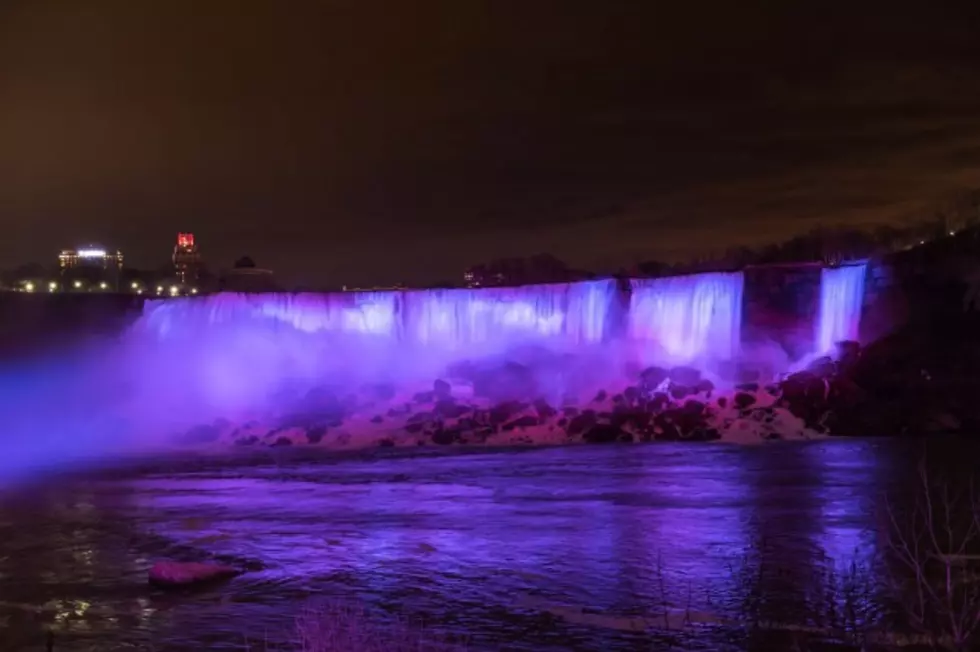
[(936, 546)]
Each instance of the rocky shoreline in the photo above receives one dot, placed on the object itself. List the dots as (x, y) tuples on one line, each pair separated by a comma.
[(913, 382), (493, 406)]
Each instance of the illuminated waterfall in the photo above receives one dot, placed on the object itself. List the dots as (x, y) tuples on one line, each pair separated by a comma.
[(572, 313), (841, 299), (688, 318), (230, 351)]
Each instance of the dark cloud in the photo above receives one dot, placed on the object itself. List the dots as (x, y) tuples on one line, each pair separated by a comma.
[(401, 141)]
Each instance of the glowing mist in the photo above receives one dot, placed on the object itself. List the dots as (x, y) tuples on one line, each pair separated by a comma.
[(841, 300)]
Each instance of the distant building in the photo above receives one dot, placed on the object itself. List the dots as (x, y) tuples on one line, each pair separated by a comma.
[(245, 276), (186, 259), (90, 267), (90, 257)]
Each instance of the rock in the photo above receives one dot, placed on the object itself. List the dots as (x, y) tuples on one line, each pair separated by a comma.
[(805, 395), (678, 391), (632, 395), (658, 402), (377, 419), (251, 440), (526, 421), (606, 434), (448, 408), (652, 377), (544, 410), (282, 441), (444, 437), (688, 376), (441, 389), (743, 400), (315, 434), (582, 422), (424, 397), (502, 412), (175, 574), (822, 367), (600, 396), (693, 407), (387, 442), (705, 386)]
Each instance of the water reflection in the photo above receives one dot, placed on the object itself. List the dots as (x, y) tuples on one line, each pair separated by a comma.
[(480, 542)]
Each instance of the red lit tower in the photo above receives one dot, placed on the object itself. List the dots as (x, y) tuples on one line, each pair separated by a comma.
[(187, 260)]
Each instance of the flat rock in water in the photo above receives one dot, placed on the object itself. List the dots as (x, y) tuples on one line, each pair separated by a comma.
[(172, 574)]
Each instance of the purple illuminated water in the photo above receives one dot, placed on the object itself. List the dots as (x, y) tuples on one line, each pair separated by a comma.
[(841, 300), (228, 355), (687, 319), (505, 548)]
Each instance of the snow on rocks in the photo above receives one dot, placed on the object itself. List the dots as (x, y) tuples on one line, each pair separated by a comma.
[(177, 574), (486, 406)]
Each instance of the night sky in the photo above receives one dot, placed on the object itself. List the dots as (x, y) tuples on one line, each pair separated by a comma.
[(374, 142)]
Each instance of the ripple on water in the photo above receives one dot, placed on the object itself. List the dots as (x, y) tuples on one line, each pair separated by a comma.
[(504, 546)]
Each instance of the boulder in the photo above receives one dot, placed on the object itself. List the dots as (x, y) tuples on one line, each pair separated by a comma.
[(178, 574)]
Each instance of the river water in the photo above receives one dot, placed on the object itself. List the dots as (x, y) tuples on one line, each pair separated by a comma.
[(525, 550)]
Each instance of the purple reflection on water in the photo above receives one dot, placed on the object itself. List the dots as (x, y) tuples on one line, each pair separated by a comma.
[(473, 536)]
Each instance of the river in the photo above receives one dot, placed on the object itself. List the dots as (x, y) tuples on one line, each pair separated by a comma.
[(505, 547)]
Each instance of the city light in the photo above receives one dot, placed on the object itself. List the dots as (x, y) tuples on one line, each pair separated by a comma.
[(159, 289), (134, 285), (77, 284), (91, 253), (174, 290), (29, 286), (103, 285), (193, 290), (52, 286)]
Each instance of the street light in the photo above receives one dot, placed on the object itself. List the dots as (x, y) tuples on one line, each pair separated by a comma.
[(29, 286), (52, 286)]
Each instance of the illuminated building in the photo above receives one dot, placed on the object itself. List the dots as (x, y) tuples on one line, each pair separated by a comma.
[(91, 258), (186, 259), (90, 268)]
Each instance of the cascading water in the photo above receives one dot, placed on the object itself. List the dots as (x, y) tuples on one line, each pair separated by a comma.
[(229, 353), (495, 318), (688, 318), (841, 300)]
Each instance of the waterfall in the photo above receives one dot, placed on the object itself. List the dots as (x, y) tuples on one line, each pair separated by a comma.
[(841, 300), (688, 318), (495, 318)]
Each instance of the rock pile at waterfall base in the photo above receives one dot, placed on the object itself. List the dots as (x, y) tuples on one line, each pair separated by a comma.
[(494, 407)]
